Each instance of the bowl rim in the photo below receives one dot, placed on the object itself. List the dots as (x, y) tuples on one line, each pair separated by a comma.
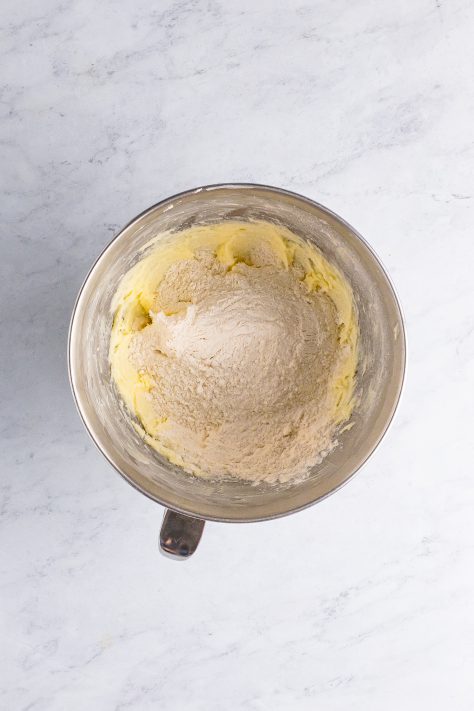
[(238, 186)]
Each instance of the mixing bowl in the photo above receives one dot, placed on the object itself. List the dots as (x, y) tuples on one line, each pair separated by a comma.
[(192, 500)]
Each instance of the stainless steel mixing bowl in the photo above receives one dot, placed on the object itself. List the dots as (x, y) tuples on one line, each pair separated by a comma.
[(192, 500)]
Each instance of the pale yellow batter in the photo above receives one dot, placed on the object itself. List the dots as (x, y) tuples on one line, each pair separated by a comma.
[(234, 346)]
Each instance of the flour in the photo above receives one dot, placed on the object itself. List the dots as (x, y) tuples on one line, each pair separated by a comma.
[(241, 361)]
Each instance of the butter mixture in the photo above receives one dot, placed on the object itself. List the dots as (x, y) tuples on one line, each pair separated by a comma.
[(234, 347)]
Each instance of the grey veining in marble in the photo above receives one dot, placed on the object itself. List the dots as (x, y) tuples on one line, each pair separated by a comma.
[(362, 602)]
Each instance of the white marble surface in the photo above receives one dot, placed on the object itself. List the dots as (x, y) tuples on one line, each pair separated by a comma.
[(364, 602)]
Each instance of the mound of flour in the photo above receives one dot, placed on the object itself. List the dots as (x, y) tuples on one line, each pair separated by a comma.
[(240, 360)]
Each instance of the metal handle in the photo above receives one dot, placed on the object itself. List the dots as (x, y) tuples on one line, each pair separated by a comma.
[(180, 535)]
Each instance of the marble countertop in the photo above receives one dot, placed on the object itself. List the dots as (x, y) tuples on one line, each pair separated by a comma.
[(362, 602)]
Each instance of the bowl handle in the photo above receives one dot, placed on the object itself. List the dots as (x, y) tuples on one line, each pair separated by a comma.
[(180, 535)]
